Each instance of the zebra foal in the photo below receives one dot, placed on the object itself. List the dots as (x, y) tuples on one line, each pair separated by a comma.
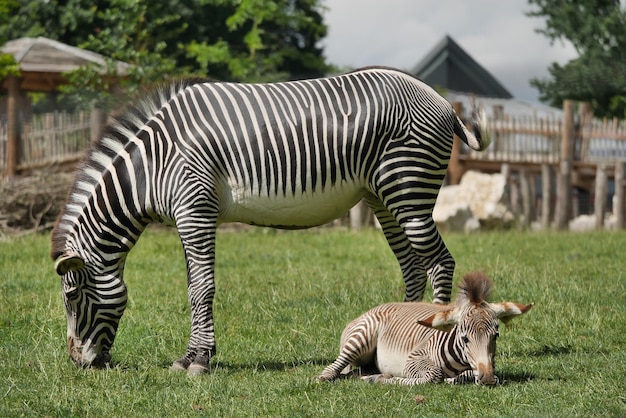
[(285, 155), (413, 343)]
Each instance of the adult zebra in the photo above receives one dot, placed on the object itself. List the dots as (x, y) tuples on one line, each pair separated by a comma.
[(287, 155)]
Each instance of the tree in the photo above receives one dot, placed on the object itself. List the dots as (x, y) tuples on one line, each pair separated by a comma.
[(240, 40), (279, 41), (596, 30), (8, 66)]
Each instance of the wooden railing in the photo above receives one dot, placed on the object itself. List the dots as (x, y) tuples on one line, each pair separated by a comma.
[(522, 139), (531, 140), (603, 141)]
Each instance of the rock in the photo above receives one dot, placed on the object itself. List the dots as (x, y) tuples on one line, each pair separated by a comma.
[(450, 214), (583, 223), (478, 199)]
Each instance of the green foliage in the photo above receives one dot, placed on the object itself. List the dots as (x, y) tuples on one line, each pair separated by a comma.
[(596, 29), (282, 301), (8, 66), (241, 40), (279, 41)]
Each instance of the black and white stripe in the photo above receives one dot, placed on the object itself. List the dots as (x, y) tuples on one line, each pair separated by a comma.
[(286, 155)]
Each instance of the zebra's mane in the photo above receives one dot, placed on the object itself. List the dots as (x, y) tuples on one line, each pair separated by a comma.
[(475, 288), (386, 68), (117, 133), (127, 122)]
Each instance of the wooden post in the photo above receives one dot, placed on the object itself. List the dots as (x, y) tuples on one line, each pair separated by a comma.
[(618, 207), (455, 168), (525, 191), (12, 127), (564, 179), (546, 196), (505, 170), (585, 117), (532, 183), (600, 197), (96, 122), (619, 199)]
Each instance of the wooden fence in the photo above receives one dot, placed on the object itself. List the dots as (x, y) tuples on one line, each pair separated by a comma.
[(48, 139), (555, 148), (532, 140), (53, 137), (576, 151)]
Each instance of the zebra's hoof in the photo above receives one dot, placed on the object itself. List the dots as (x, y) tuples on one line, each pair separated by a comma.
[(180, 365), (196, 369)]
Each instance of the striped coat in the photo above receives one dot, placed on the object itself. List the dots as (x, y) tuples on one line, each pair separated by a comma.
[(285, 155), (414, 342)]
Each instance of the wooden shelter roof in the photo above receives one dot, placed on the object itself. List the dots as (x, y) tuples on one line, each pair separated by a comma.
[(43, 61)]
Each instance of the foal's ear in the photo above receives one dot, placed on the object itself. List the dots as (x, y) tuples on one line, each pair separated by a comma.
[(442, 321), (505, 311), (68, 262)]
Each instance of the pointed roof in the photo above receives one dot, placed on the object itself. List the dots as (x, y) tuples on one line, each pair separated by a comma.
[(448, 66), (42, 61)]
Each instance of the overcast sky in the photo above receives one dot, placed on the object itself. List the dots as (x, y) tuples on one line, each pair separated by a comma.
[(399, 33)]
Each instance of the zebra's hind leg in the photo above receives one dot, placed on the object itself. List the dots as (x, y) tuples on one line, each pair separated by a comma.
[(426, 241), (358, 346), (411, 264)]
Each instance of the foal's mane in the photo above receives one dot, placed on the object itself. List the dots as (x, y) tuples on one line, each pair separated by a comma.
[(475, 288)]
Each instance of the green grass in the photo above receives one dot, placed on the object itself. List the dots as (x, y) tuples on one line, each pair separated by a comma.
[(282, 301)]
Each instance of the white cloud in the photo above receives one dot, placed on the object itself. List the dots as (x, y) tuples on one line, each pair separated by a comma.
[(399, 33)]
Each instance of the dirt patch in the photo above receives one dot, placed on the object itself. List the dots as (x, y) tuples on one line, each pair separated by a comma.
[(33, 203)]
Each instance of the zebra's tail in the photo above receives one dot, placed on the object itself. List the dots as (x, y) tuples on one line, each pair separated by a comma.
[(480, 139)]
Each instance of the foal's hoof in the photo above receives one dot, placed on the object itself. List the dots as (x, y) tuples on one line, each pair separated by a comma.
[(376, 378)]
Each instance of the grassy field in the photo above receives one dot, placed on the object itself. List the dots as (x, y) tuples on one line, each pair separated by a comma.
[(283, 299)]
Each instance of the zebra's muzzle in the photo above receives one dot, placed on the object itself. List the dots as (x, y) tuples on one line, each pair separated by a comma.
[(86, 357), (486, 376)]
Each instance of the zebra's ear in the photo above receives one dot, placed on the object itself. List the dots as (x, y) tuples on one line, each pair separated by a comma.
[(443, 321), (505, 311), (68, 262)]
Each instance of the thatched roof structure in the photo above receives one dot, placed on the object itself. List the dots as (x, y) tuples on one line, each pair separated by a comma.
[(43, 61)]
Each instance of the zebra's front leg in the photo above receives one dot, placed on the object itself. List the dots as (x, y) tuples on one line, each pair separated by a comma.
[(463, 378), (388, 379), (419, 369), (411, 265), (198, 238)]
